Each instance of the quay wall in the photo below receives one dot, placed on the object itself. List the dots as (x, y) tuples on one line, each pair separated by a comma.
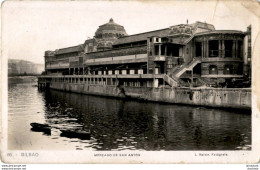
[(213, 97)]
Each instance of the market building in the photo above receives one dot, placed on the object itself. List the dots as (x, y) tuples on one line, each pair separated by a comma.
[(181, 55)]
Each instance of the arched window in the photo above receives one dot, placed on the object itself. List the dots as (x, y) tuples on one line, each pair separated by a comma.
[(213, 69), (228, 69)]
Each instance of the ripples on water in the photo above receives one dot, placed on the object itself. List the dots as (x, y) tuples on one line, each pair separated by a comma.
[(117, 124)]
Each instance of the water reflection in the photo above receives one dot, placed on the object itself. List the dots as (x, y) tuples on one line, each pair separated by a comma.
[(117, 124)]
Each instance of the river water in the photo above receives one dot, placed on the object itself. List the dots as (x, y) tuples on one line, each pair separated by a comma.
[(117, 124)]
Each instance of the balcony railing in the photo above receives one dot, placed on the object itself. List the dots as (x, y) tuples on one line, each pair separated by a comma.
[(118, 52), (118, 59), (214, 53), (218, 53), (213, 59), (159, 58)]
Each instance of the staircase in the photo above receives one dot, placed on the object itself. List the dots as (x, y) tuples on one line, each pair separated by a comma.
[(174, 70), (202, 82), (173, 78), (187, 67), (171, 81)]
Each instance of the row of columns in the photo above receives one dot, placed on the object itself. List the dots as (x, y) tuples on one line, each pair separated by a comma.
[(106, 81), (74, 70), (100, 81), (160, 50), (221, 49), (124, 72)]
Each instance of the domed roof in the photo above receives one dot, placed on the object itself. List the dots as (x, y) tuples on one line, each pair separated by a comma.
[(110, 29)]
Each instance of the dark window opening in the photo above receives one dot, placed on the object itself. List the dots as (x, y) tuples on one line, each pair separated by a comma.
[(228, 69), (156, 50), (172, 51), (198, 49), (162, 69), (240, 69), (150, 71), (162, 50), (240, 49), (165, 39), (228, 48), (213, 69), (176, 52), (213, 48), (169, 51), (197, 69)]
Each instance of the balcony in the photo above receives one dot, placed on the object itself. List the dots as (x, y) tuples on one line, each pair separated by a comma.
[(57, 66), (159, 58), (138, 58), (222, 76), (216, 59)]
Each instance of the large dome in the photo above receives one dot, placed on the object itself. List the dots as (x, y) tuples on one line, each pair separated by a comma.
[(110, 30)]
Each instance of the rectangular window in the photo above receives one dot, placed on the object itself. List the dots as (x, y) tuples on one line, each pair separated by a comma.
[(198, 49), (240, 49), (156, 50), (213, 48), (228, 48)]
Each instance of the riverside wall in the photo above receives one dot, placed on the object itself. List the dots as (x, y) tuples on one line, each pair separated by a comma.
[(213, 97)]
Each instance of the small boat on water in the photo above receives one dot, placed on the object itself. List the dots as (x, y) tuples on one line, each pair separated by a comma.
[(38, 127), (75, 133)]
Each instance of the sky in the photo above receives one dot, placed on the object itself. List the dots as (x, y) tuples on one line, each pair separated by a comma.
[(30, 28)]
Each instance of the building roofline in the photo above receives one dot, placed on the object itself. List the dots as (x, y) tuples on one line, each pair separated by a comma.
[(194, 25), (143, 33), (220, 32), (70, 47)]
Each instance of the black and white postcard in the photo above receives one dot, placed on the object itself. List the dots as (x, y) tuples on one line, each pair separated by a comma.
[(130, 82)]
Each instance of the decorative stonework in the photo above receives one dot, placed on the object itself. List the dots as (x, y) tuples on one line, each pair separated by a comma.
[(104, 44), (180, 29)]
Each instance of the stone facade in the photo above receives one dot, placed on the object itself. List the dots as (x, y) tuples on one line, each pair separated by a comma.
[(221, 53)]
